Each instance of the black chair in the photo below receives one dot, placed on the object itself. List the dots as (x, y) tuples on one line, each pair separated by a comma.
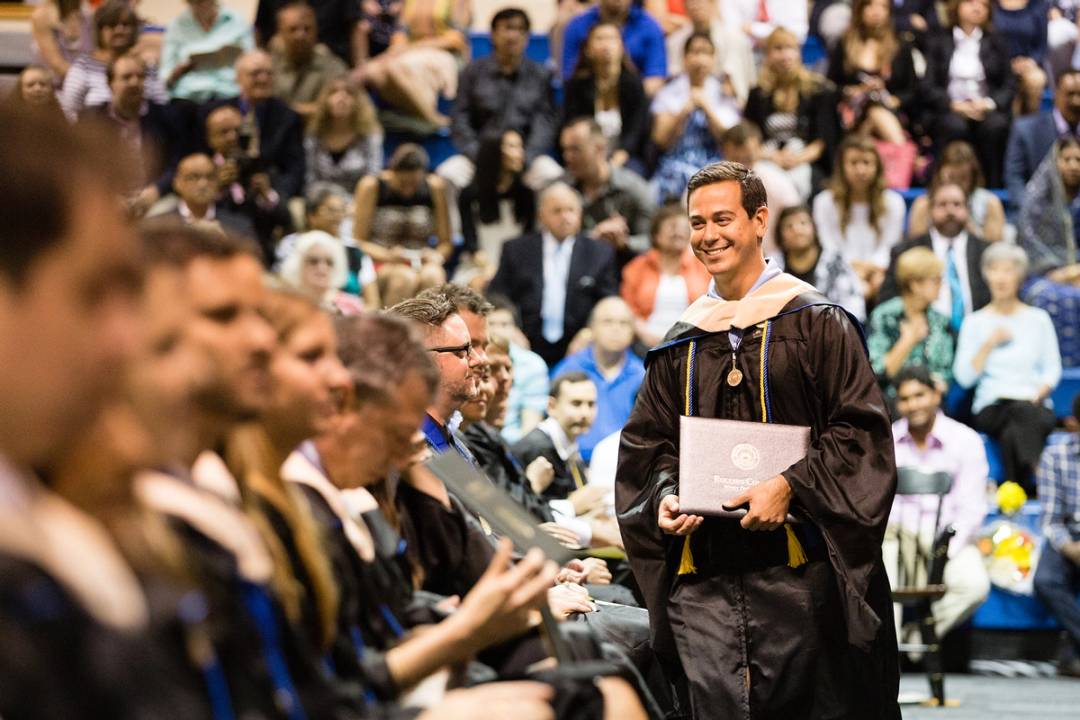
[(920, 573)]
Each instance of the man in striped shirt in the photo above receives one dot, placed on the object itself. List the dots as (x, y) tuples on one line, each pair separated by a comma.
[(1057, 578)]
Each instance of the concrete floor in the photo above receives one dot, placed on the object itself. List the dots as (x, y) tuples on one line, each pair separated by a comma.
[(990, 698)]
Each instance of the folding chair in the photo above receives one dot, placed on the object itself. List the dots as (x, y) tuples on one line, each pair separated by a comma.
[(920, 572)]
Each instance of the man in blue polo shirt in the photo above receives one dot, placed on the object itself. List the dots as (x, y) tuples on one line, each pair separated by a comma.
[(613, 368), (642, 36)]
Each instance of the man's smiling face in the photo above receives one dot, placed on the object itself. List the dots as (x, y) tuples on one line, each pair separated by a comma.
[(723, 236)]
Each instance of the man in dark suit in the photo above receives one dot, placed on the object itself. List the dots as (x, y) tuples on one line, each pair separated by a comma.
[(272, 134), (149, 130), (1032, 135), (571, 411), (196, 188), (556, 276), (963, 289)]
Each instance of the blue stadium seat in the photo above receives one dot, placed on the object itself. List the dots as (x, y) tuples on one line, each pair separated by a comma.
[(1065, 391), (538, 49)]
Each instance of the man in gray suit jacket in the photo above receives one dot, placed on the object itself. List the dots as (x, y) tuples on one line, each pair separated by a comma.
[(1032, 135)]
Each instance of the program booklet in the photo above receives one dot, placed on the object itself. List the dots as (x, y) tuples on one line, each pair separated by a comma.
[(721, 459)]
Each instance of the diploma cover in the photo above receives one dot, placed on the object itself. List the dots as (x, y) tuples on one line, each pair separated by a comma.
[(721, 459)]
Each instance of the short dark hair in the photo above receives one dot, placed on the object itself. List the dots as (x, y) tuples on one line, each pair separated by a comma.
[(697, 35), (567, 378), (501, 302), (431, 310), (662, 215), (936, 187), (1064, 74), (379, 351), (172, 242), (741, 133), (295, 5), (45, 165), (110, 69), (508, 14), (462, 297), (409, 157), (595, 131), (917, 373), (754, 196)]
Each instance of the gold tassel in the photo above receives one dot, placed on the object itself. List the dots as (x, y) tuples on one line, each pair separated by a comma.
[(686, 565), (795, 553)]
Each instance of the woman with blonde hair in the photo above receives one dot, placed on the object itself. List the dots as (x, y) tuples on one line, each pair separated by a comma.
[(318, 268), (858, 215), (796, 111), (906, 330), (344, 140)]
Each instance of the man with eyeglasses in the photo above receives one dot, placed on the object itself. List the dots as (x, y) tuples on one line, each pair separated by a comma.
[(196, 188), (446, 337)]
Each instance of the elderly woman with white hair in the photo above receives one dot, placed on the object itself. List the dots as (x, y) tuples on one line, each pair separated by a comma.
[(1008, 352), (317, 267)]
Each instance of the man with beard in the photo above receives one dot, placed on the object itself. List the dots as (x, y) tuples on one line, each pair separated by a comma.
[(769, 618), (964, 290)]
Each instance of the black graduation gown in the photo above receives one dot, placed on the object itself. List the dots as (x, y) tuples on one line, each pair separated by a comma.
[(503, 468), (756, 638)]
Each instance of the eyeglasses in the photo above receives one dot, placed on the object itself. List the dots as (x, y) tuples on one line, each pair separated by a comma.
[(461, 351)]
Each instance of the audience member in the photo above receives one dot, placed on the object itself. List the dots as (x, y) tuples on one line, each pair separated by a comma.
[(1057, 576), (758, 19), (421, 64), (801, 254), (498, 204), (324, 209), (1032, 136), (690, 115), (873, 70), (146, 129), (244, 182), (968, 88), (742, 143), (617, 203), (1048, 232), (907, 331), (1061, 35), (35, 88), (613, 367), (271, 132), (116, 29), (195, 185), (317, 268), (200, 50), (660, 284), (302, 65), (858, 215), (337, 24), (61, 31), (399, 212), (1023, 24), (928, 441), (576, 271), (641, 36), (796, 111), (344, 141), (960, 253), (527, 400), (504, 92), (733, 61), (605, 87), (571, 411), (1008, 352), (959, 164)]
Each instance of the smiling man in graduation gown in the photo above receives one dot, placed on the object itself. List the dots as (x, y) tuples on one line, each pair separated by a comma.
[(768, 618)]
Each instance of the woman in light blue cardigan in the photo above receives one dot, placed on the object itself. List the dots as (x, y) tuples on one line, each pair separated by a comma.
[(1009, 352)]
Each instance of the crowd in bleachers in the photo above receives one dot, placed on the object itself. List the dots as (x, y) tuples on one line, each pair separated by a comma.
[(922, 164)]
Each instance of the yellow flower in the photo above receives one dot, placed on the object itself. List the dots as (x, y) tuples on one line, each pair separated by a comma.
[(1010, 497)]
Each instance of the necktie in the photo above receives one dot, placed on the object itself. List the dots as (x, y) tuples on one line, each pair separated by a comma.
[(956, 292), (576, 471)]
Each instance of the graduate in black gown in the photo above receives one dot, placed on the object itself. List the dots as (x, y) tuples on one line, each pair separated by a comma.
[(769, 619)]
